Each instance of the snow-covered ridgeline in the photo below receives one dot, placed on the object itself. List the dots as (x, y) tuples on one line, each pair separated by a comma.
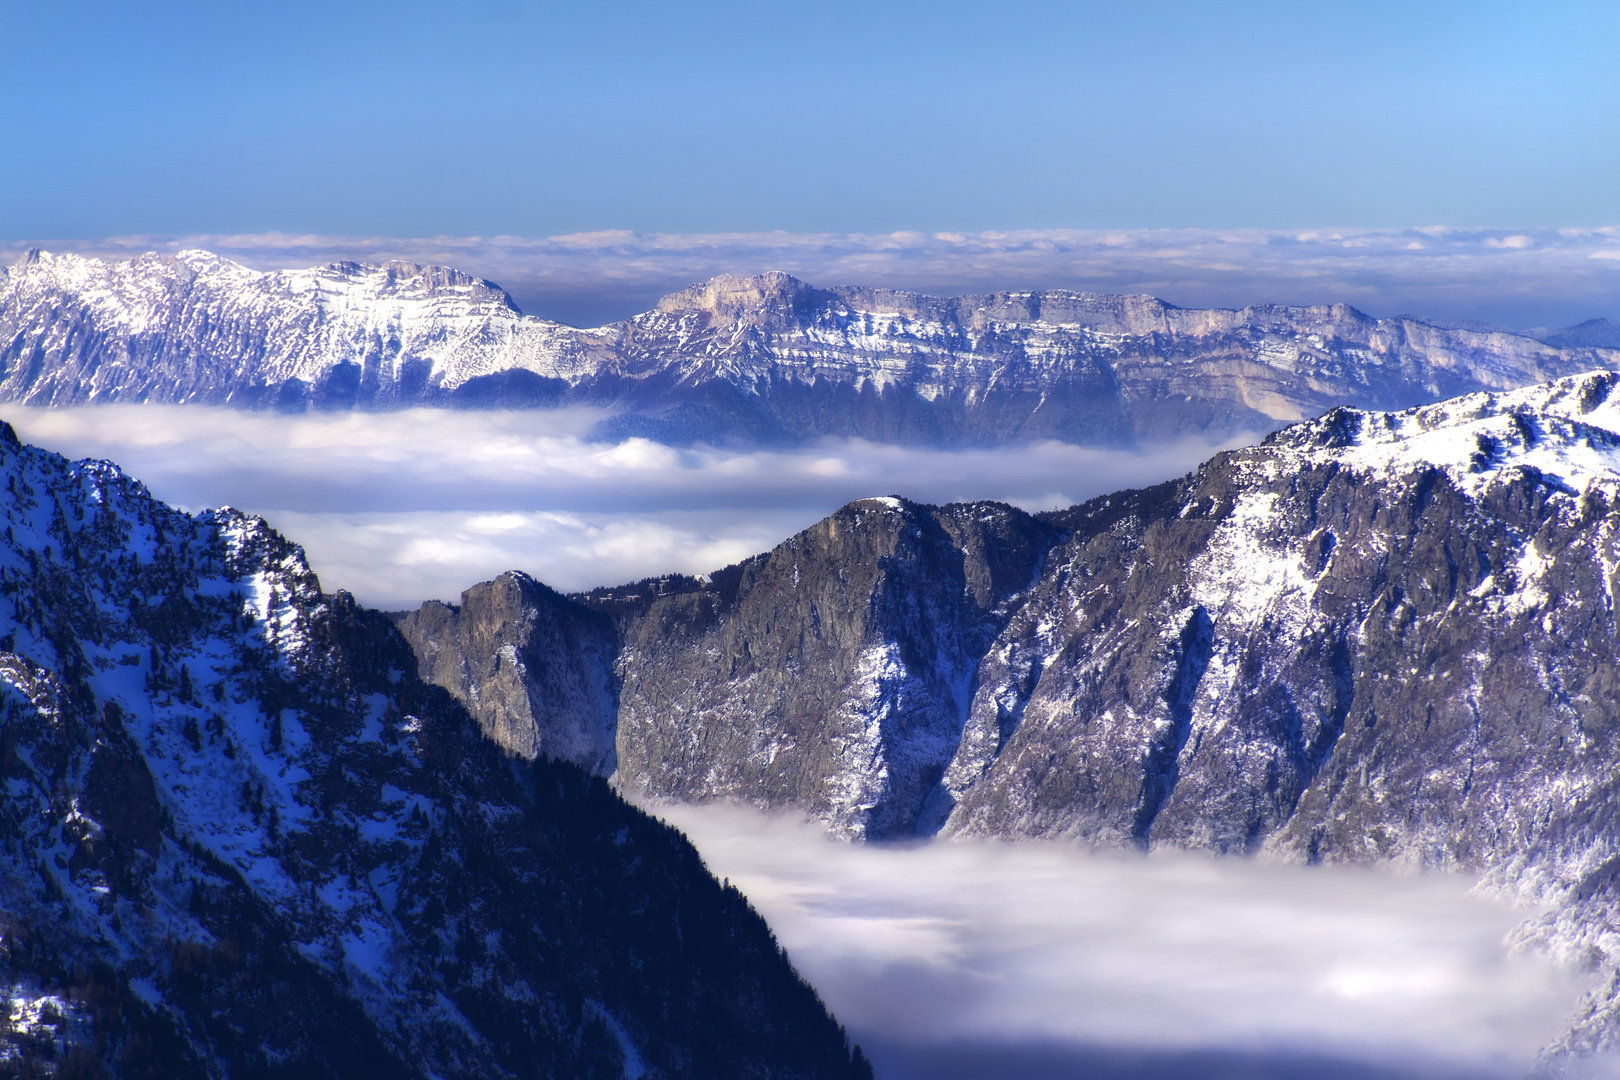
[(1568, 430), (767, 356), (182, 327)]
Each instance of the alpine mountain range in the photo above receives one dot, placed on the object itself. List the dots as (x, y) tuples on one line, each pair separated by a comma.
[(766, 358), (1384, 635)]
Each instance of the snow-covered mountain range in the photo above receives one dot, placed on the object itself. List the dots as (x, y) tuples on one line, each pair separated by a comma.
[(1376, 638), (241, 838), (768, 357)]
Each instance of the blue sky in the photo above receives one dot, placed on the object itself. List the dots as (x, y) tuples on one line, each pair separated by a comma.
[(531, 119)]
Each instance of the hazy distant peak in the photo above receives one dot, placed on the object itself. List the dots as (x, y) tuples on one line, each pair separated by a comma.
[(1591, 334), (379, 280), (766, 357), (729, 297)]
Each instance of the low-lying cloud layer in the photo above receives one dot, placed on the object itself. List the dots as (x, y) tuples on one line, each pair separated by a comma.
[(1519, 279), (406, 506), (1164, 966)]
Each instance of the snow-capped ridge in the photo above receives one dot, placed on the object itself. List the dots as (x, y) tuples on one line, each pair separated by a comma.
[(1568, 430), (767, 357)]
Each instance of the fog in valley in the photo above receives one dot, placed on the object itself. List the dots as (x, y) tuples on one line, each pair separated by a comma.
[(944, 959), (976, 958), (400, 507)]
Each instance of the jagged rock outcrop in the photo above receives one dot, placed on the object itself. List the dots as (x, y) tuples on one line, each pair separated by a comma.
[(763, 358), (535, 668), (240, 837), (1376, 638), (831, 673)]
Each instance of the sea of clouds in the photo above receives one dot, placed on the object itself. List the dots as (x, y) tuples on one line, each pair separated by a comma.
[(946, 959), (958, 959), (1515, 278), (406, 506), (1037, 959)]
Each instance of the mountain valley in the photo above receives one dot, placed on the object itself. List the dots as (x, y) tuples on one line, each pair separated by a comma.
[(1383, 638)]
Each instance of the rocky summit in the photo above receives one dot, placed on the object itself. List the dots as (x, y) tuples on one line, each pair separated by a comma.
[(767, 358), (1379, 637), (240, 837)]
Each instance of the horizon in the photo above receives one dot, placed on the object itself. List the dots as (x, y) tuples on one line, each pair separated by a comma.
[(1520, 282), (1208, 155)]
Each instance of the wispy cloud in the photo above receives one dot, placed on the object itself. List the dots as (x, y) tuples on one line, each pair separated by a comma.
[(981, 947), (1518, 278), (405, 506)]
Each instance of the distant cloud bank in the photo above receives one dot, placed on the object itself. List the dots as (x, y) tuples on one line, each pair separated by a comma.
[(406, 506), (1517, 279)]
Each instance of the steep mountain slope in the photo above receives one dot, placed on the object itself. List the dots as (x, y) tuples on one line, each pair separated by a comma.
[(1414, 608), (240, 837), (1378, 637), (831, 673), (757, 358), (195, 327), (535, 669)]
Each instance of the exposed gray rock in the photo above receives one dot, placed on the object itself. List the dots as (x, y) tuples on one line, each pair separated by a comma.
[(534, 668), (832, 673), (764, 358)]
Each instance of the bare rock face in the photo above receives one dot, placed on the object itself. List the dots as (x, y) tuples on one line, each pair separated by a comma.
[(763, 358), (534, 668), (1375, 638), (832, 673), (240, 837)]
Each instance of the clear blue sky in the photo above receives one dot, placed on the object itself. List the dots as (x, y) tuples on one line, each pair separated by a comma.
[(502, 116)]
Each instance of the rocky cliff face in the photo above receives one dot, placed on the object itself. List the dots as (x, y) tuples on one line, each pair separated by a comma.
[(831, 673), (535, 668), (240, 837), (1378, 637), (198, 328), (757, 358)]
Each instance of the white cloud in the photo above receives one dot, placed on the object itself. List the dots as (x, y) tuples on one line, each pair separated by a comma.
[(960, 946), (405, 506)]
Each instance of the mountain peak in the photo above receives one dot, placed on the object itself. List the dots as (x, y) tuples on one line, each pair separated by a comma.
[(728, 296), (1593, 334)]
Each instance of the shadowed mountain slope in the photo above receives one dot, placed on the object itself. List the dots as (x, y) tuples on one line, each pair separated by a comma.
[(240, 837)]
